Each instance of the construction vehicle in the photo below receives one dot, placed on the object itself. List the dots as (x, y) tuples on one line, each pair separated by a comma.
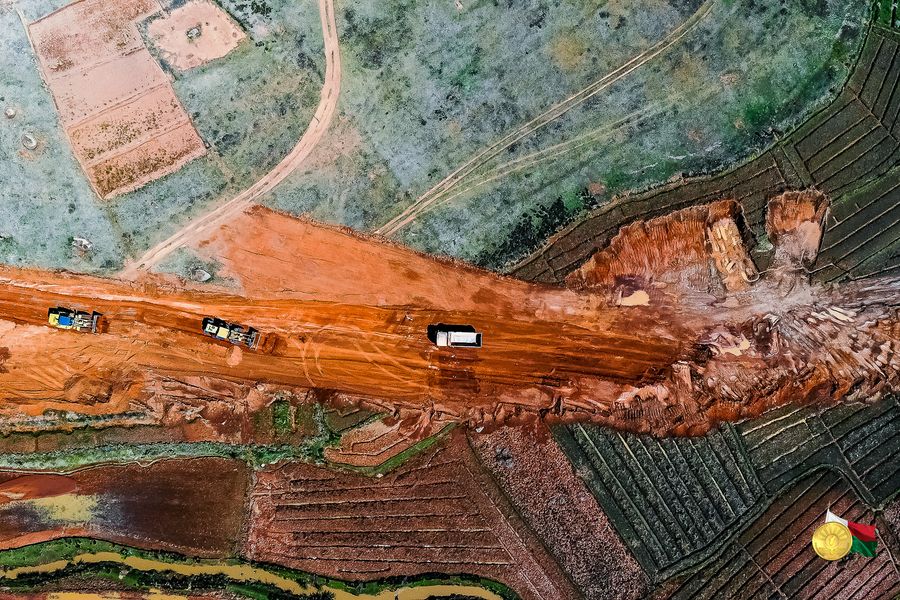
[(66, 318), (231, 332), (454, 336)]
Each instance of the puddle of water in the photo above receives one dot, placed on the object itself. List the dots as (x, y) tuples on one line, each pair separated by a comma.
[(67, 508)]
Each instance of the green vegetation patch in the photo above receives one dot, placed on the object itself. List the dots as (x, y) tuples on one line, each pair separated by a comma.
[(427, 85), (46, 201), (886, 12), (250, 107)]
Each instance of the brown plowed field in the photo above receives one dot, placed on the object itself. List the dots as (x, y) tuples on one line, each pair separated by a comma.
[(439, 514), (116, 104), (555, 503), (169, 505), (202, 226)]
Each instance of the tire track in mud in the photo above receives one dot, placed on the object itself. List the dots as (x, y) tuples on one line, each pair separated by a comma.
[(426, 200), (200, 227)]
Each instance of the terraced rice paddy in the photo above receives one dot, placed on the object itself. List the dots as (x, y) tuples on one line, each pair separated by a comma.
[(438, 514)]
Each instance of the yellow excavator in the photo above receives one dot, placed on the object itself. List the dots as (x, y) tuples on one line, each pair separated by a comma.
[(77, 320), (231, 332)]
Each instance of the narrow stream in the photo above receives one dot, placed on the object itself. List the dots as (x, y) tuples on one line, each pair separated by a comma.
[(242, 573)]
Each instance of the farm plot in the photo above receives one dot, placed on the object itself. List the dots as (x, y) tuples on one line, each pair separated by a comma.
[(374, 444), (861, 441), (439, 514), (169, 505), (250, 107), (194, 34), (126, 125), (671, 500), (548, 494), (853, 153)]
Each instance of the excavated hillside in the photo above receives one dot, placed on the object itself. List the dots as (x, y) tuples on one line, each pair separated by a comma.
[(668, 330)]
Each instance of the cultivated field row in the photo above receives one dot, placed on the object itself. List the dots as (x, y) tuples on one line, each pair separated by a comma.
[(864, 442), (671, 499), (439, 514), (773, 557)]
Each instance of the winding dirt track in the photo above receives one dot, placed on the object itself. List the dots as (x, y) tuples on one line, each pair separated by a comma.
[(433, 195), (200, 227)]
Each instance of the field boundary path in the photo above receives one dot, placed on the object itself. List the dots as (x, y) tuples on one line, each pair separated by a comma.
[(559, 109), (200, 227)]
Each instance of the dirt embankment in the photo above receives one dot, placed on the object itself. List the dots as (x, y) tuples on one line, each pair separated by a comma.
[(669, 330)]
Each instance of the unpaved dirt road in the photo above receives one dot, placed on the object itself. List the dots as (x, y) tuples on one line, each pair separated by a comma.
[(669, 330), (377, 352), (200, 227)]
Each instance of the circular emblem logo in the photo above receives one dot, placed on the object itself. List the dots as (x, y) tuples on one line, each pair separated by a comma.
[(832, 541)]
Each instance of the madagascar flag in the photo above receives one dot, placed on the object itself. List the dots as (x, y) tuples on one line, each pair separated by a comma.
[(864, 539)]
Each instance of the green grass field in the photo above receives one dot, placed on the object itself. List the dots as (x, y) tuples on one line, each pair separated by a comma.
[(250, 107), (426, 86)]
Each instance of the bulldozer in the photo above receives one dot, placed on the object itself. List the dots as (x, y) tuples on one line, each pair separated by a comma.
[(77, 320), (231, 332)]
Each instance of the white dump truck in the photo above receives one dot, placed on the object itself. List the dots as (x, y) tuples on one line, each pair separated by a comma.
[(443, 335)]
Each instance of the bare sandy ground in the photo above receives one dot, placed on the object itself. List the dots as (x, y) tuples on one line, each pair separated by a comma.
[(218, 34), (117, 106)]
